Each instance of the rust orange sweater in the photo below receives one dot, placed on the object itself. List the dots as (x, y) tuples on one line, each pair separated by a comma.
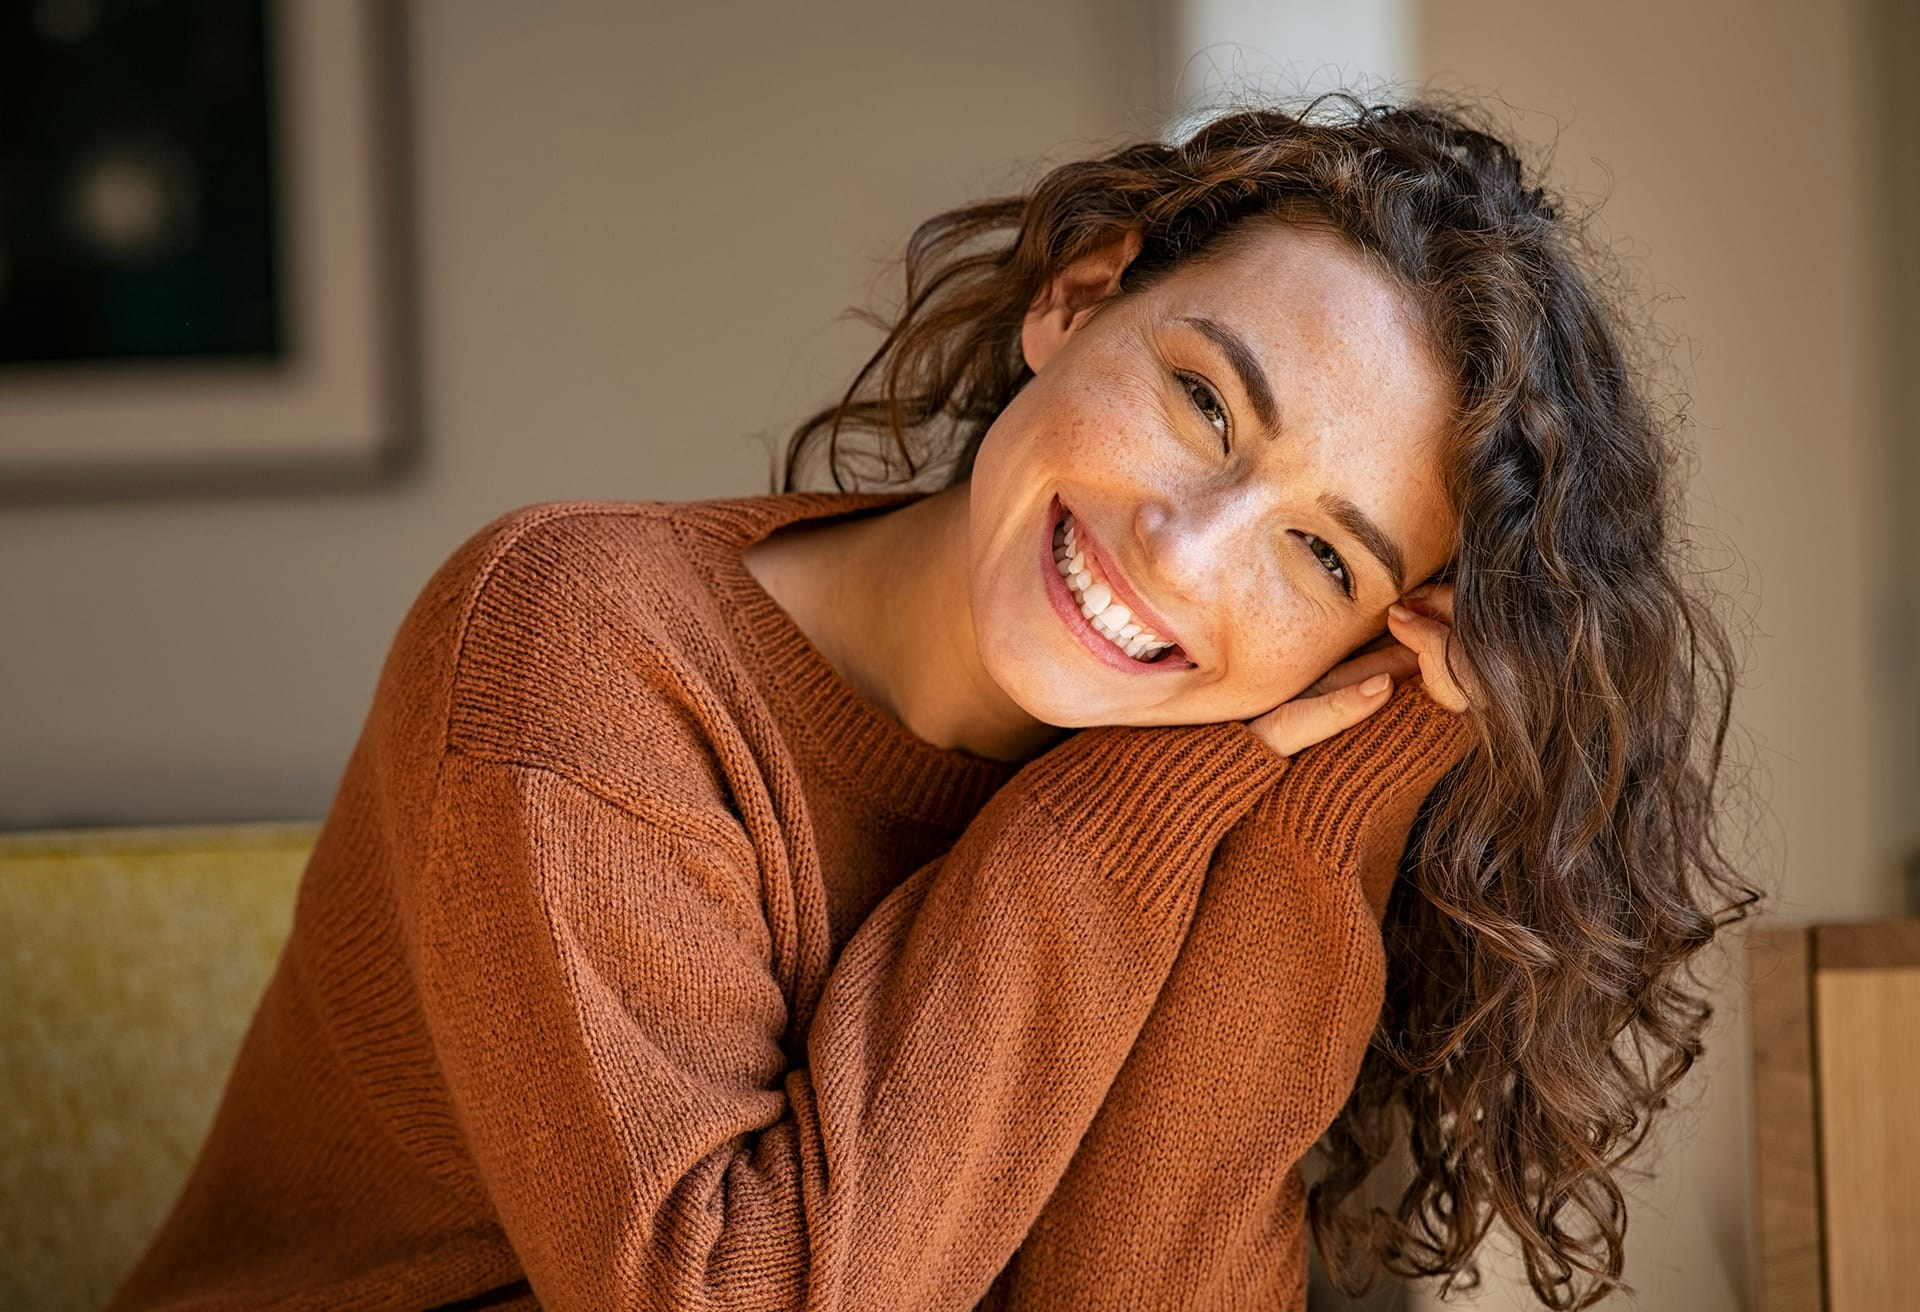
[(642, 963)]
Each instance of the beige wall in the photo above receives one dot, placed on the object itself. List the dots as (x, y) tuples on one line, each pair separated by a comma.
[(637, 225), (1733, 142)]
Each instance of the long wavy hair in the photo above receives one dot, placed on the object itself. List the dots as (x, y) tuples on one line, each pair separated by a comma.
[(1559, 882)]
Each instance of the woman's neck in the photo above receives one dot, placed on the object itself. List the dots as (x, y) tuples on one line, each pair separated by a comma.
[(884, 598)]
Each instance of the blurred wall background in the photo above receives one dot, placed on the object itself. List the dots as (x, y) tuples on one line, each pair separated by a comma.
[(637, 224), (636, 227)]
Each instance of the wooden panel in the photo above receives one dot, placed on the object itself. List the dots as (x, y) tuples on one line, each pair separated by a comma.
[(1869, 1064), (1867, 943), (1786, 1162)]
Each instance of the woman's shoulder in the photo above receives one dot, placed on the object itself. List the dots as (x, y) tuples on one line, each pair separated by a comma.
[(535, 548), (595, 638), (644, 551), (561, 573), (574, 636)]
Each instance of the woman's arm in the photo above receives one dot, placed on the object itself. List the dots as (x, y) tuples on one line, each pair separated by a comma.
[(606, 1004), (1186, 1191)]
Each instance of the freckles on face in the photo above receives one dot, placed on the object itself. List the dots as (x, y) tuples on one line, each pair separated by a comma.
[(1272, 637), (1105, 416)]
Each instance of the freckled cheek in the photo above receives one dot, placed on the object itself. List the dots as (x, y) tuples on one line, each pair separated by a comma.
[(1099, 431), (1277, 642)]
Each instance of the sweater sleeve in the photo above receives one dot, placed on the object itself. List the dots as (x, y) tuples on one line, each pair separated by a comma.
[(600, 990), (1187, 1190)]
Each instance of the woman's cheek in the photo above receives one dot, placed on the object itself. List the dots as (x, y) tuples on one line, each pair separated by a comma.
[(1287, 652), (1114, 414)]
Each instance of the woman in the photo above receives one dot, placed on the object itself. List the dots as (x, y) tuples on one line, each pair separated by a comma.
[(988, 897)]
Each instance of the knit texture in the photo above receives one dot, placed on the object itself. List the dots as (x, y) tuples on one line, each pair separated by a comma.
[(641, 962)]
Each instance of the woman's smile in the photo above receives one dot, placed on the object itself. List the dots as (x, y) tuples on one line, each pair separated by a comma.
[(1113, 651)]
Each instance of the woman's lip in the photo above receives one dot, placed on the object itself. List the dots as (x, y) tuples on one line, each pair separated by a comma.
[(1114, 579), (1070, 615)]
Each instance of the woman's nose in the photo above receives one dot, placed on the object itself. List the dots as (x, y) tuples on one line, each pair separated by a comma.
[(1183, 549)]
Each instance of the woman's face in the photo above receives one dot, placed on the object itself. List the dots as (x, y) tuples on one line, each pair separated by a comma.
[(1222, 438)]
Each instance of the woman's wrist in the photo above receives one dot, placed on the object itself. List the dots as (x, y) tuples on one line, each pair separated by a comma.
[(1145, 793)]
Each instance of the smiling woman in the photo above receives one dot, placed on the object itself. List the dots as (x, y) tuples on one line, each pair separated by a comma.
[(1281, 373), (988, 897)]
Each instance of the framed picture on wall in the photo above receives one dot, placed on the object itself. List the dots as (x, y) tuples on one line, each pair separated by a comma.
[(204, 255)]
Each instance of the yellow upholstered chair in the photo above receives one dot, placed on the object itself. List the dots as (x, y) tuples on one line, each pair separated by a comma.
[(130, 963)]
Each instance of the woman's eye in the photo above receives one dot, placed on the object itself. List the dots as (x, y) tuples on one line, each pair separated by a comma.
[(1336, 566), (1207, 404)]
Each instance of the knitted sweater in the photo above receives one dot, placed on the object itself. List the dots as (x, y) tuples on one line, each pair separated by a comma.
[(642, 963)]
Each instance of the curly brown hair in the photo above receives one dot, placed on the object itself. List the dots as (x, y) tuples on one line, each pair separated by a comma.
[(1559, 882)]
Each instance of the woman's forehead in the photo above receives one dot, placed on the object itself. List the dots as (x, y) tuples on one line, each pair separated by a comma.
[(1287, 282), (1332, 343)]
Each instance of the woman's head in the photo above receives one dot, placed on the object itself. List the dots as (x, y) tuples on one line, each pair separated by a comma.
[(1437, 354), (1251, 441), (1441, 356)]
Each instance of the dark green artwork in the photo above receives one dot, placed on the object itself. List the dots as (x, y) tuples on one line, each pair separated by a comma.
[(137, 181)]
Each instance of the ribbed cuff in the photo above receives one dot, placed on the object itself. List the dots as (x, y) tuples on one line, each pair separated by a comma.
[(1349, 794), (1151, 801)]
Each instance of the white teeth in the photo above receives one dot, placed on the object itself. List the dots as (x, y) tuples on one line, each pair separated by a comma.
[(1095, 599)]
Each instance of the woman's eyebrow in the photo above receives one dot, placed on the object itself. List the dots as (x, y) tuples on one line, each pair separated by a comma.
[(1364, 530), (1253, 379), (1339, 508)]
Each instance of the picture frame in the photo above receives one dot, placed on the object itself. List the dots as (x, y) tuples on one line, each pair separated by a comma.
[(339, 406)]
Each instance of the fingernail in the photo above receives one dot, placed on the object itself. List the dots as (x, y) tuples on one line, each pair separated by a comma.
[(1376, 685), (1423, 589), (1399, 612)]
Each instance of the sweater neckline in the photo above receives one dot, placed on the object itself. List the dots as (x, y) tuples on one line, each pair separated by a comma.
[(871, 751)]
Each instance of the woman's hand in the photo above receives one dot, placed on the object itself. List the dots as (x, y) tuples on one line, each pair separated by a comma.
[(1425, 629), (1413, 647)]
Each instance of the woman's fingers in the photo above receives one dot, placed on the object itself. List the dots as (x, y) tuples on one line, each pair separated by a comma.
[(1428, 639), (1307, 720), (1414, 646), (1382, 652), (1395, 659), (1434, 599)]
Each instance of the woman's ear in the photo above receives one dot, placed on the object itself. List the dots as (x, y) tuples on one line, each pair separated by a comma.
[(1071, 296)]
